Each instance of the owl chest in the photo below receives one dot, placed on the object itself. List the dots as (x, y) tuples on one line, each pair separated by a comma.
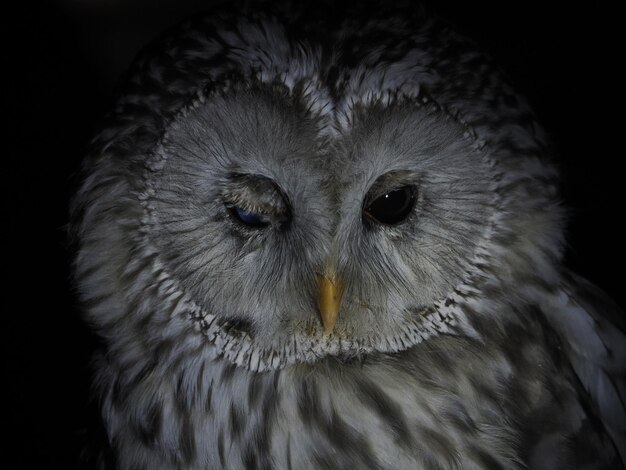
[(334, 417), (411, 411)]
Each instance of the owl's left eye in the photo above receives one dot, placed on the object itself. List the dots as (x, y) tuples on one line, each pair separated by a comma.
[(249, 218), (393, 207)]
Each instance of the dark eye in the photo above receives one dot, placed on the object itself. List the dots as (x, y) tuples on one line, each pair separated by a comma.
[(251, 219), (393, 207)]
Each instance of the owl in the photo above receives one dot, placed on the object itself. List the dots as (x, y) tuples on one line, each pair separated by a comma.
[(314, 239)]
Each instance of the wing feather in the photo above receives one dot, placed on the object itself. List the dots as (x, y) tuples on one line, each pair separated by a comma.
[(592, 334)]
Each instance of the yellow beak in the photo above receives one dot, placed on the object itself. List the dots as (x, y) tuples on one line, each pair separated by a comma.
[(329, 299)]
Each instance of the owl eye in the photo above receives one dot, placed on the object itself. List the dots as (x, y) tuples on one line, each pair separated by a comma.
[(249, 218), (393, 207)]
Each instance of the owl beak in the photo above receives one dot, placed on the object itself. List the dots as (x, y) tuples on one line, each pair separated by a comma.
[(329, 299)]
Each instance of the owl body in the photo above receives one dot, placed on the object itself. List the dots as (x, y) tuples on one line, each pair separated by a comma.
[(314, 242)]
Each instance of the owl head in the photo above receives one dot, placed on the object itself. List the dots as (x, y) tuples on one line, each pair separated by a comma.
[(273, 193)]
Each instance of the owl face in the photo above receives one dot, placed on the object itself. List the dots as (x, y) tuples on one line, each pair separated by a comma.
[(276, 199), (288, 231)]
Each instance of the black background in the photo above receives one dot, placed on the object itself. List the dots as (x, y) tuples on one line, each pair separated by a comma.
[(60, 62)]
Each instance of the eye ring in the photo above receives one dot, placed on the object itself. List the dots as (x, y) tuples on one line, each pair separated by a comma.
[(393, 207), (248, 218)]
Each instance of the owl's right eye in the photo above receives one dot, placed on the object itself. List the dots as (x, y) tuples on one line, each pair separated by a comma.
[(249, 218)]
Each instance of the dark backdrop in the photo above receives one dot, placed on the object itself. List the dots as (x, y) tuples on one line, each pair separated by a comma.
[(60, 62)]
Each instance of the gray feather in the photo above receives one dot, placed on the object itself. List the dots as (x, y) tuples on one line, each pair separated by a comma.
[(587, 323)]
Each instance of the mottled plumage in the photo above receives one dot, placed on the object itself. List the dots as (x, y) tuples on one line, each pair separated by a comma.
[(238, 176)]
